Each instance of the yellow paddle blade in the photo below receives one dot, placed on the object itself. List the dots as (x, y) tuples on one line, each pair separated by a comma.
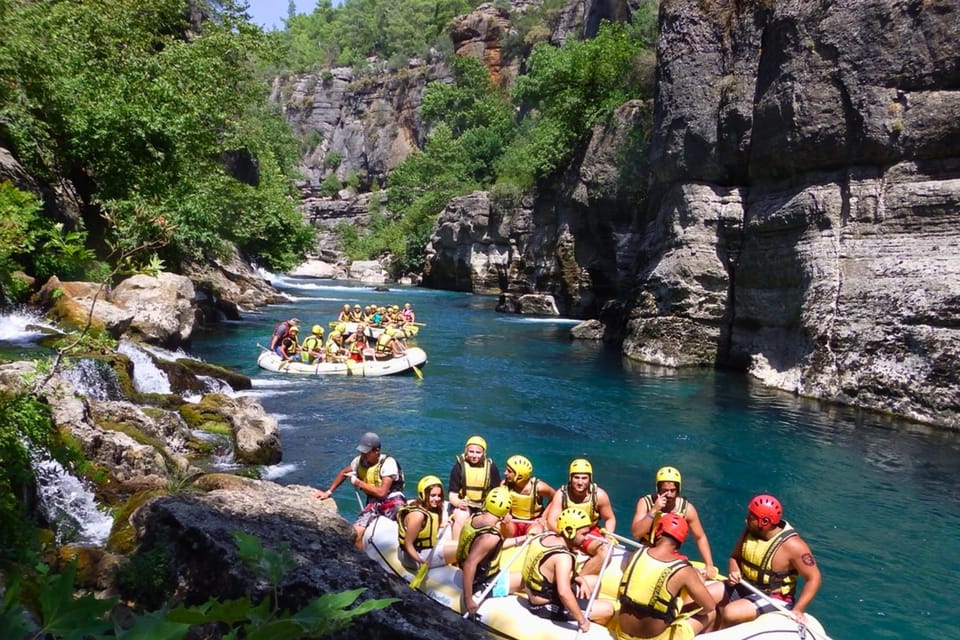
[(417, 372), (421, 575)]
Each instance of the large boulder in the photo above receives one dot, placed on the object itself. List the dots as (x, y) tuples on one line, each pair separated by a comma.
[(162, 307), (197, 532)]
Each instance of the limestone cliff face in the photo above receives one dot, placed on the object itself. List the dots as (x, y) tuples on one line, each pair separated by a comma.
[(353, 126), (572, 240), (806, 196)]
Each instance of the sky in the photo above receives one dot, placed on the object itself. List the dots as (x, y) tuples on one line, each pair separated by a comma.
[(272, 13)]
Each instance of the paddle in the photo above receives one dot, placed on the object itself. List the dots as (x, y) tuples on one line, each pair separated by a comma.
[(596, 586), (425, 567), (780, 606), (416, 369), (504, 572), (633, 543)]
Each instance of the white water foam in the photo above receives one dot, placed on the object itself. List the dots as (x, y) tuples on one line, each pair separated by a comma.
[(274, 471), (18, 326), (69, 505), (147, 376), (94, 379)]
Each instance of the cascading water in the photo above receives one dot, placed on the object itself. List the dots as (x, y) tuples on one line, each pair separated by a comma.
[(93, 379), (68, 504), (21, 326), (147, 376)]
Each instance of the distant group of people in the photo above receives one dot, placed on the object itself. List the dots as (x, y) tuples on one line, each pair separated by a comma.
[(661, 594), (351, 336)]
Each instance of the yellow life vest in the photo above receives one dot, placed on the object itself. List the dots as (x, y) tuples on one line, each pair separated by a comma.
[(427, 537), (476, 480), (383, 343), (757, 559), (533, 559), (490, 565), (371, 474), (643, 588), (526, 506), (680, 507), (589, 506)]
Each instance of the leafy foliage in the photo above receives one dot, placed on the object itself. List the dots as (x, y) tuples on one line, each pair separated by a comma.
[(18, 214), (359, 29), (566, 91), (62, 615), (149, 112), (24, 426)]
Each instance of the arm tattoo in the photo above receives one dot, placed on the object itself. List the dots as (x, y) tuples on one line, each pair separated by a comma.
[(808, 560)]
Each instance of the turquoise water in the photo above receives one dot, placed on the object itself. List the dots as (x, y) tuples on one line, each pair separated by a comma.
[(874, 497)]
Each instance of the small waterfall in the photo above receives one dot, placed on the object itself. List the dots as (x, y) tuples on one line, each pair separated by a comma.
[(21, 326), (94, 379), (147, 376), (68, 504)]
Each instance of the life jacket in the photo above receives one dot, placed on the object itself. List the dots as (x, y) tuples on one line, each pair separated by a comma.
[(476, 480), (427, 537), (344, 316), (680, 507), (757, 558), (310, 343), (290, 346), (371, 474), (526, 506), (533, 578), (356, 316), (490, 565), (643, 588), (589, 506), (383, 344)]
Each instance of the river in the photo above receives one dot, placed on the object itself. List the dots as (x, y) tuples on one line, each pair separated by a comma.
[(873, 496)]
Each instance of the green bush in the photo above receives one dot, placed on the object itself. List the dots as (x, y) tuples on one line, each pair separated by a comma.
[(330, 185)]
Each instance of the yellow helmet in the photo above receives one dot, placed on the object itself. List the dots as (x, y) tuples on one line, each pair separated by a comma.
[(581, 465), (425, 484), (294, 329), (668, 474), (522, 468), (317, 329), (342, 328), (477, 440), (346, 307), (572, 520), (497, 501)]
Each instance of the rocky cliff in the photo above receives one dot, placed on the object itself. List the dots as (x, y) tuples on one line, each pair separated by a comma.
[(806, 192)]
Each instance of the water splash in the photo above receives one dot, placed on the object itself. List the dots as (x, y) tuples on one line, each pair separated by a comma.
[(93, 379), (69, 504), (147, 376), (21, 325)]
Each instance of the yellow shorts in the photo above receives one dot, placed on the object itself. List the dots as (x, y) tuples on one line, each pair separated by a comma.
[(679, 630)]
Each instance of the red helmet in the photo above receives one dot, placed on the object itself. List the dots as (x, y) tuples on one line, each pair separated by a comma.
[(767, 509), (673, 525)]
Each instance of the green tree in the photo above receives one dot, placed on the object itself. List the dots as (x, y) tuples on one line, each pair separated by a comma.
[(149, 111), (567, 90)]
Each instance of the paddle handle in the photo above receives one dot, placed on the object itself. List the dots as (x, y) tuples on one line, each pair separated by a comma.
[(425, 568), (780, 606), (505, 570)]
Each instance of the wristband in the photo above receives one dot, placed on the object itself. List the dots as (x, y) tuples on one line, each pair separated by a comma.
[(650, 515)]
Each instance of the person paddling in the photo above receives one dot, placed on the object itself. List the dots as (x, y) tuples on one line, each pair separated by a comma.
[(281, 331), (771, 555), (652, 587)]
